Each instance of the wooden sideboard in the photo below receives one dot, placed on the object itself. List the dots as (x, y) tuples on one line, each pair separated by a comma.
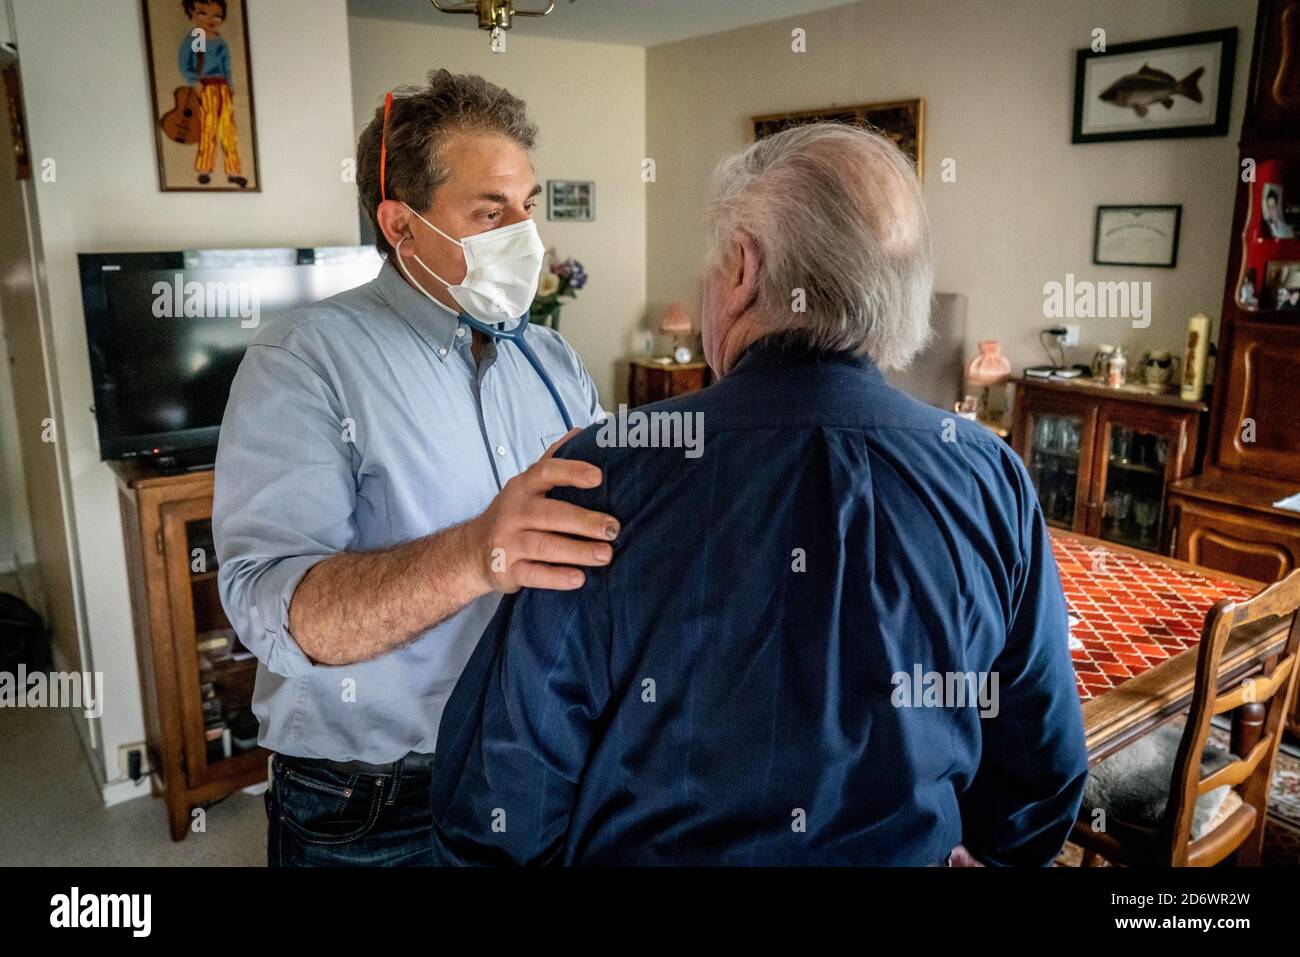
[(1102, 459), (1224, 518), (649, 381), (172, 571), (1232, 525)]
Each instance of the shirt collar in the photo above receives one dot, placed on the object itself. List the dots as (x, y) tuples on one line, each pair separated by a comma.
[(786, 351), (434, 323)]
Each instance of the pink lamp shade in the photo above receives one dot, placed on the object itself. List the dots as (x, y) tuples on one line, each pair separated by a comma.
[(990, 366), (675, 319)]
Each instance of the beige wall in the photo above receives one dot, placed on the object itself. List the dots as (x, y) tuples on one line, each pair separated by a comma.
[(997, 79), (88, 109), (589, 101)]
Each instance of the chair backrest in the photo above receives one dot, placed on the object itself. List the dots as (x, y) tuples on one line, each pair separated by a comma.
[(935, 375), (1248, 773)]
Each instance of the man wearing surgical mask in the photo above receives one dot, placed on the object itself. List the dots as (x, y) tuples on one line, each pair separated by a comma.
[(382, 477)]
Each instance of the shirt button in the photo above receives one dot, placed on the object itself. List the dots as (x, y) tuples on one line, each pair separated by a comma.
[(501, 450), (442, 352), (460, 331)]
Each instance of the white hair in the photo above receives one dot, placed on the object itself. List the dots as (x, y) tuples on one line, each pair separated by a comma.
[(840, 224)]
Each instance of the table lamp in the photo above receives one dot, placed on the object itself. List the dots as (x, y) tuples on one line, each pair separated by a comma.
[(675, 322)]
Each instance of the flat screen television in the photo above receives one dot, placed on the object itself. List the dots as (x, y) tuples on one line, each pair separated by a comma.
[(166, 332)]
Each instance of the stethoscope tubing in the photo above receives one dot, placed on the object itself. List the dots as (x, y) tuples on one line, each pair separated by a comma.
[(516, 335)]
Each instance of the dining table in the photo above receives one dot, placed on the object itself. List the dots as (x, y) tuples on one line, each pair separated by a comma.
[(1135, 625)]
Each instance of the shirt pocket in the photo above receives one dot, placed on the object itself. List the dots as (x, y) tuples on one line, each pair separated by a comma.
[(549, 440)]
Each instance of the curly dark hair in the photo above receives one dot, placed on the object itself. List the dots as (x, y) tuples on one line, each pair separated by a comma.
[(189, 6), (418, 124)]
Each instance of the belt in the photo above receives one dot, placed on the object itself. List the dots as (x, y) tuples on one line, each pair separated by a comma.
[(413, 763)]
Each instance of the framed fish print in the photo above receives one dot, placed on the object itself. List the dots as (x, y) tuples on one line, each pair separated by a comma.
[(902, 121), (201, 82), (1155, 89)]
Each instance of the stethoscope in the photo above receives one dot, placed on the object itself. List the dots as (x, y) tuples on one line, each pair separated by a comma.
[(516, 336), (496, 334)]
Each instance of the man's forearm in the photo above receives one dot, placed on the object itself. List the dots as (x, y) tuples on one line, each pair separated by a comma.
[(357, 605)]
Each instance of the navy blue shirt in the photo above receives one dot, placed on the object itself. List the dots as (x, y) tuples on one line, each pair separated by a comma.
[(837, 636)]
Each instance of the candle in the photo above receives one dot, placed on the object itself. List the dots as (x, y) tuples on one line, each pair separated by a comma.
[(1198, 344)]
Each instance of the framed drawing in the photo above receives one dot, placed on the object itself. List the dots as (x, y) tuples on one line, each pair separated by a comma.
[(1137, 236), (570, 201), (903, 121), (201, 81), (1156, 89)]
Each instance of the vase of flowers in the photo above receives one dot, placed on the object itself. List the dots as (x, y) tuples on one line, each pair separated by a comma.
[(560, 281)]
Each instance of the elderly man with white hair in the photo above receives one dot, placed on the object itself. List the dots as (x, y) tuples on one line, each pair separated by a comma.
[(834, 634)]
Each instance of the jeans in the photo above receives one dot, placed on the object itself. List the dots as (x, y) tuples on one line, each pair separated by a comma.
[(331, 814)]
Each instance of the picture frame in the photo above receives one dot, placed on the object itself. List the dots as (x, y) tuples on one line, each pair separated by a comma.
[(1172, 87), (902, 121), (1282, 286), (205, 128), (1137, 235), (571, 200), (1278, 215)]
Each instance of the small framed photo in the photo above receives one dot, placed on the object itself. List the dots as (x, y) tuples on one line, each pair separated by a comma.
[(570, 200), (1279, 213), (201, 85), (1137, 236), (1155, 89), (1282, 289)]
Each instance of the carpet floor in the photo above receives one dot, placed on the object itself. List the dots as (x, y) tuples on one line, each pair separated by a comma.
[(51, 812)]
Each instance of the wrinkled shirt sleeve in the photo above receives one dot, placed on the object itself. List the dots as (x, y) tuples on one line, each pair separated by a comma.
[(1033, 764), (516, 733), (285, 496)]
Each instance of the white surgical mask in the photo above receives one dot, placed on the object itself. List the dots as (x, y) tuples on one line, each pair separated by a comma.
[(501, 271)]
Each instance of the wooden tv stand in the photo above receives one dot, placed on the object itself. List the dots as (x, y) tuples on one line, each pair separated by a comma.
[(171, 566)]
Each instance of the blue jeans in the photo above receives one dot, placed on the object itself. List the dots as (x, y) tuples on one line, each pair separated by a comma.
[(330, 814)]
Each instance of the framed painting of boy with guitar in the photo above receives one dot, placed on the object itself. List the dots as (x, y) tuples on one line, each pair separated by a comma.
[(201, 81)]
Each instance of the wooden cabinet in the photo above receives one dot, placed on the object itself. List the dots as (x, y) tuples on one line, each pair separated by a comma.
[(1102, 459), (1227, 521), (1274, 100), (195, 700), (650, 381), (1224, 517), (1223, 539), (1259, 405), (1055, 434)]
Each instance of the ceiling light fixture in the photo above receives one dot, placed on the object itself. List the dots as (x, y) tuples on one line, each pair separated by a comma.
[(495, 16)]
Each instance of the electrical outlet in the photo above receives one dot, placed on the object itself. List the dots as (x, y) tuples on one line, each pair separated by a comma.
[(124, 759), (1071, 337)]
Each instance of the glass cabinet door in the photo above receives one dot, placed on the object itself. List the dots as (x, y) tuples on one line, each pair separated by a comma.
[(1056, 444), (214, 672), (1134, 482), (226, 670)]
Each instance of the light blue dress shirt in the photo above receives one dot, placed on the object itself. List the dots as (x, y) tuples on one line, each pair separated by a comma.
[(355, 424)]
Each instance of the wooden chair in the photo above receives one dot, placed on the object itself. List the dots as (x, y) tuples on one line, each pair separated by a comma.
[(1216, 802)]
